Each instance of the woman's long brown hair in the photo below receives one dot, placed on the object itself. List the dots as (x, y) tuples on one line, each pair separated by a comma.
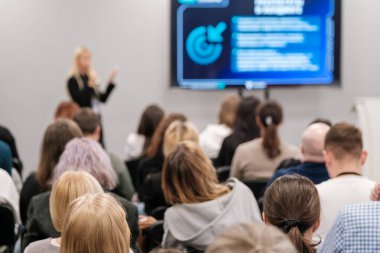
[(292, 204), (189, 177), (56, 136)]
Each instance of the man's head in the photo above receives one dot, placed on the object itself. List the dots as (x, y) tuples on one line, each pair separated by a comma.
[(313, 142), (344, 149), (88, 122)]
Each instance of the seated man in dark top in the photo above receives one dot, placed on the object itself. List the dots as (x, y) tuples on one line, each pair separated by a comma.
[(313, 163)]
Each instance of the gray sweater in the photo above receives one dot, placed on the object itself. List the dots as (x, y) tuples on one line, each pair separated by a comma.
[(197, 225)]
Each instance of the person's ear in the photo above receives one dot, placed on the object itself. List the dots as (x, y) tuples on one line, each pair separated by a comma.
[(97, 132), (302, 149), (316, 225), (363, 157), (265, 218)]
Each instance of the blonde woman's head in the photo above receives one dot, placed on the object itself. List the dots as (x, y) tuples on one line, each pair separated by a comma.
[(70, 186), (95, 223), (82, 61), (177, 132), (227, 111), (252, 238)]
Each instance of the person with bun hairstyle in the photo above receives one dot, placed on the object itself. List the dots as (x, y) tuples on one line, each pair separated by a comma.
[(292, 204), (258, 159), (95, 223), (201, 207)]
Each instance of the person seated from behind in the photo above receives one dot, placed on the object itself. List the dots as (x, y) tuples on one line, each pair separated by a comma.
[(244, 129), (5, 158), (7, 137), (95, 223), (345, 159), (66, 110), (56, 136), (356, 229), (292, 204), (9, 194), (313, 162), (202, 208), (70, 186), (258, 159), (153, 160), (136, 143), (88, 122), (212, 137), (252, 238), (177, 132), (81, 154)]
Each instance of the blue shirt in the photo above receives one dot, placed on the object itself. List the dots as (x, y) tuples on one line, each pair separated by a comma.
[(316, 172), (356, 229), (6, 160)]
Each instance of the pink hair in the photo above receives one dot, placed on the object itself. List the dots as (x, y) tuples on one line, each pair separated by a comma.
[(83, 154)]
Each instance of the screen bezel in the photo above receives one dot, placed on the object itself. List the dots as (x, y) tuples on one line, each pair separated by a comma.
[(337, 54)]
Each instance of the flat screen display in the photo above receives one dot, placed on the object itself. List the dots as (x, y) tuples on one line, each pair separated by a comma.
[(218, 44)]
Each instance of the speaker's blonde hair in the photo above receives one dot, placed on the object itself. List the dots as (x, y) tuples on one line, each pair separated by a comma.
[(79, 51), (95, 223), (70, 186), (177, 132)]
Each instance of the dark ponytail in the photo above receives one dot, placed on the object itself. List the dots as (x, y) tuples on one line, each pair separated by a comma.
[(292, 204), (270, 116)]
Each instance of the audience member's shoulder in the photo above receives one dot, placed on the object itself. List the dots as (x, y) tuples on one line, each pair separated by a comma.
[(40, 199), (250, 145), (364, 209)]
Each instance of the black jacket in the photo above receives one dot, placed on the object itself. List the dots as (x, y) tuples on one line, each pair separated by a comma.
[(30, 189), (40, 226), (83, 95)]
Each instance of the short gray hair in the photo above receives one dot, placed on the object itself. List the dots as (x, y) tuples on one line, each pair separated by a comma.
[(83, 154)]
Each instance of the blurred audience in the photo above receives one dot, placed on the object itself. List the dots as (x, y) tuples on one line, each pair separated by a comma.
[(6, 158), (258, 159), (70, 186), (313, 162), (245, 129), (153, 160), (7, 137), (88, 122), (345, 159), (9, 194), (136, 143), (56, 136), (95, 223), (252, 238), (66, 110), (212, 137), (151, 192), (80, 154), (202, 208), (292, 204)]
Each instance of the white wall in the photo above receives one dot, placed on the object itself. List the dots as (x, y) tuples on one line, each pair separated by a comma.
[(37, 39)]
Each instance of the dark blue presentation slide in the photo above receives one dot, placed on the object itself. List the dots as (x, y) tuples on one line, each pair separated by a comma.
[(254, 43)]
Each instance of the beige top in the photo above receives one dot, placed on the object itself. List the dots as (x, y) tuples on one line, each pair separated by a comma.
[(251, 162)]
